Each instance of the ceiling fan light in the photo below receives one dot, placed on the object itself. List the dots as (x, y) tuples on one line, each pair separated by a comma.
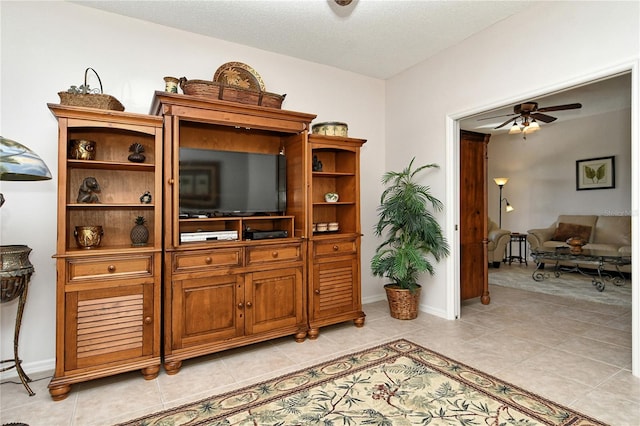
[(514, 129), (533, 126)]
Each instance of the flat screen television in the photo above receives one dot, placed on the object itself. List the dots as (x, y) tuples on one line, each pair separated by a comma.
[(229, 183)]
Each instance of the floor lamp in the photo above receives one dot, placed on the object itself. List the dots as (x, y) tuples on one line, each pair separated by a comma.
[(501, 182), (17, 163)]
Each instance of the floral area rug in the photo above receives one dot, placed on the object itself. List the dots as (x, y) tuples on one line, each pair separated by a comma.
[(396, 384), (567, 284)]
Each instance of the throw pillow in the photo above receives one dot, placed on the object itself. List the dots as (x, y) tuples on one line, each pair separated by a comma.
[(564, 231)]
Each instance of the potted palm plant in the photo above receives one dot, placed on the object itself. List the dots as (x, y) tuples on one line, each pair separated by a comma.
[(412, 238)]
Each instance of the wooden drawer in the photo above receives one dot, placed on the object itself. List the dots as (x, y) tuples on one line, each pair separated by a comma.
[(274, 253), (209, 259), (335, 247), (114, 267)]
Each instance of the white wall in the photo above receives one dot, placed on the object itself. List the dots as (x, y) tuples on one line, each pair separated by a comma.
[(536, 52), (542, 170), (46, 47)]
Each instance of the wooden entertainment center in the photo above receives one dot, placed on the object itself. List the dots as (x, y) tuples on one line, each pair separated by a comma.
[(216, 293)]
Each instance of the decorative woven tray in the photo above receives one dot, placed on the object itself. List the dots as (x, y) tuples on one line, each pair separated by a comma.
[(225, 92)]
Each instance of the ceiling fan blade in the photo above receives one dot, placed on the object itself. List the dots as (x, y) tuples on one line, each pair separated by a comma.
[(559, 107), (497, 116), (543, 117), (504, 124)]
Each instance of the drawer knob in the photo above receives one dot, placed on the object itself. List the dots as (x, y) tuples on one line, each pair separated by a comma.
[(111, 268), (207, 260), (147, 320), (274, 254), (317, 291), (336, 248)]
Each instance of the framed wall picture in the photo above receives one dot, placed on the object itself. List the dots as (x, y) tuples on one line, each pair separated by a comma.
[(595, 173)]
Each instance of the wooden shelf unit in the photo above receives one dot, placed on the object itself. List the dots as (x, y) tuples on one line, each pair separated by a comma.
[(216, 294), (107, 297), (334, 277)]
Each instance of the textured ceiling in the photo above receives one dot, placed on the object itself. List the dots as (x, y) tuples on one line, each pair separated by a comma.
[(377, 38)]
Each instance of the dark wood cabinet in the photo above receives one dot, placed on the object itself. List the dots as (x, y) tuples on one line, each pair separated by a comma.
[(473, 216)]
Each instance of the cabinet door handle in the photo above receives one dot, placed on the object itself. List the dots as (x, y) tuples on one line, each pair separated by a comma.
[(317, 291), (240, 305), (249, 304), (147, 320), (111, 268), (207, 260), (274, 254), (336, 248)]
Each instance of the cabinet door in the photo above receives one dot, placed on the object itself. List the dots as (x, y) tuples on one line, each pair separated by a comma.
[(335, 287), (274, 300), (108, 325), (206, 310)]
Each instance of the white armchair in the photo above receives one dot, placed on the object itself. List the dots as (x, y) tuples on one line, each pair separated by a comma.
[(498, 240)]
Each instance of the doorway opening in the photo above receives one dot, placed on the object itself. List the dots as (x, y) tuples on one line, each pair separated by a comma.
[(525, 199)]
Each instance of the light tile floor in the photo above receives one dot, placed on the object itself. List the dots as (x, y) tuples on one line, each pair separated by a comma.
[(575, 353)]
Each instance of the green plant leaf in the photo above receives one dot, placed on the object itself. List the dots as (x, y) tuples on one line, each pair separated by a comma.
[(412, 236)]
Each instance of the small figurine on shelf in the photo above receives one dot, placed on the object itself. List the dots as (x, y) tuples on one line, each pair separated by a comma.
[(139, 233), (317, 164), (137, 149), (145, 198), (88, 189)]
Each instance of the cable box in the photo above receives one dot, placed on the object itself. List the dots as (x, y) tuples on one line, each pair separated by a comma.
[(186, 237), (265, 235)]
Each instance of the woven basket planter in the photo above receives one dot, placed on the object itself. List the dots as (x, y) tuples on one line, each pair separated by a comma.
[(403, 303)]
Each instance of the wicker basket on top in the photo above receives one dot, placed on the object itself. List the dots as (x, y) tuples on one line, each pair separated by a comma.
[(85, 97), (225, 92)]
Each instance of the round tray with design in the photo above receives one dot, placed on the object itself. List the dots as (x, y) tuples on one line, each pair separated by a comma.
[(240, 75)]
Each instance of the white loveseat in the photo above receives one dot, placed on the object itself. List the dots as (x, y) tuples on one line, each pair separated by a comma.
[(610, 233)]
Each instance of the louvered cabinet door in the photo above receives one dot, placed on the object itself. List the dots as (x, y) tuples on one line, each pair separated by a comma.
[(335, 285), (108, 325)]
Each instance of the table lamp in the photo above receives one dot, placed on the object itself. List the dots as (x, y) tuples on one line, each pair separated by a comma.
[(17, 163)]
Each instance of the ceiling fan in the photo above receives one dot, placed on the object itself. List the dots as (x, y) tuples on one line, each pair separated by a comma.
[(529, 114)]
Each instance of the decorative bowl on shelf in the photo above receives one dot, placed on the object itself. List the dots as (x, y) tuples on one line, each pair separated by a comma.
[(321, 227), (82, 149), (88, 237), (331, 128), (331, 197), (333, 226)]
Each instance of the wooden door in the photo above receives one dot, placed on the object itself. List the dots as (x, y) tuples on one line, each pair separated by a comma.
[(474, 278), (274, 300), (206, 310)]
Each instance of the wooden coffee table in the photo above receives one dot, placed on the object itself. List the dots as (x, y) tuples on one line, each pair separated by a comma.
[(597, 258)]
